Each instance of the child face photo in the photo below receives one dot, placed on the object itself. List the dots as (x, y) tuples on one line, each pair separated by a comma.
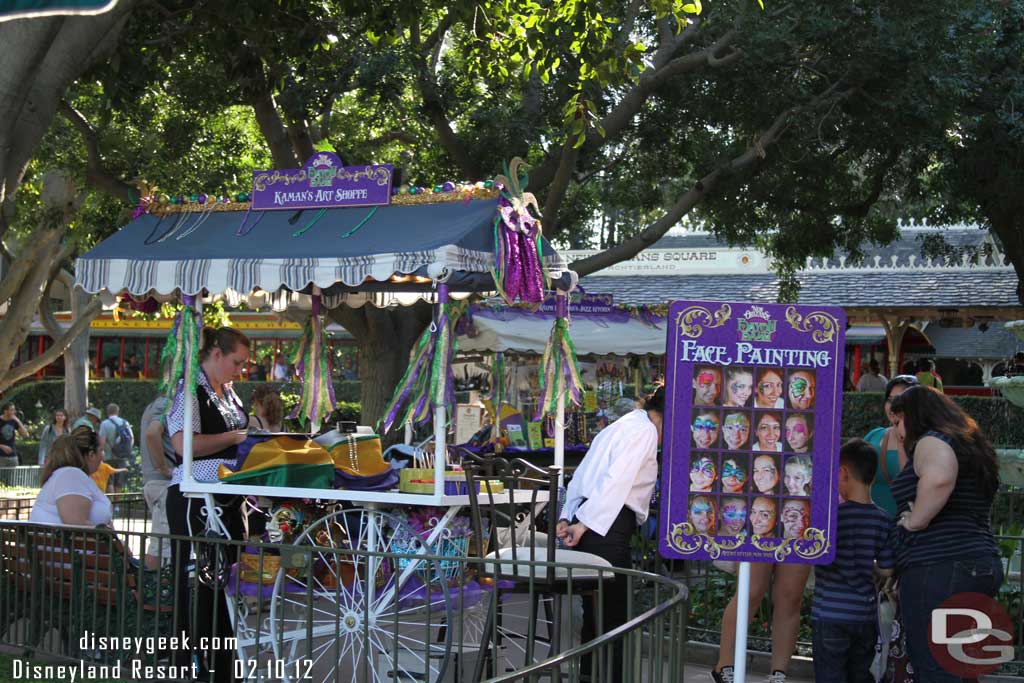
[(800, 390), (798, 476), (707, 385), (766, 474), (736, 430), (703, 473), (702, 515), (769, 432), (739, 387), (705, 429), (796, 517), (769, 388), (734, 475), (799, 431), (763, 516), (734, 516)]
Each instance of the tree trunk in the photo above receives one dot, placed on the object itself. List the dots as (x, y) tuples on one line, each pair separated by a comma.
[(41, 58), (385, 337), (76, 362)]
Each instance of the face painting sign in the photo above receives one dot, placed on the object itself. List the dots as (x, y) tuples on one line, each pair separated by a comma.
[(752, 421)]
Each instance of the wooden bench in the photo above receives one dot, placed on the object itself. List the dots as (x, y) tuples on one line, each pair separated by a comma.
[(76, 580)]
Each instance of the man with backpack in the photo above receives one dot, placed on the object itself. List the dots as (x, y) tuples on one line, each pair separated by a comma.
[(118, 440)]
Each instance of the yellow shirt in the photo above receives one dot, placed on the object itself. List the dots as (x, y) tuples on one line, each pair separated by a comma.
[(102, 475)]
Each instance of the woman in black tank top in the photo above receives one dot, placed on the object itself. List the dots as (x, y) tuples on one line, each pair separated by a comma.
[(944, 542)]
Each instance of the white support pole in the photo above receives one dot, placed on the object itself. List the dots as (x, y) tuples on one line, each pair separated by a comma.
[(742, 619), (440, 418), (561, 311), (408, 433), (314, 423), (560, 440), (186, 457)]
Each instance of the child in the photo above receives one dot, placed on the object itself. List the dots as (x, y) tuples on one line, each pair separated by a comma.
[(103, 473), (799, 433), (844, 610), (798, 475), (703, 473)]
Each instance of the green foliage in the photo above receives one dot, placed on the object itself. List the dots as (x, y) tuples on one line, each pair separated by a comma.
[(998, 419), (132, 396), (214, 314), (709, 598)]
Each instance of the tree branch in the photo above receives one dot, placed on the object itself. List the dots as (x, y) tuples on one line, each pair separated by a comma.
[(432, 45), (665, 67), (25, 301), (46, 317), (860, 209), (392, 136), (21, 266), (51, 354), (558, 186), (96, 174), (434, 108), (298, 134), (696, 194)]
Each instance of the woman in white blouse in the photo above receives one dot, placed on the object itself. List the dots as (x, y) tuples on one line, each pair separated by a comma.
[(68, 494), (608, 497)]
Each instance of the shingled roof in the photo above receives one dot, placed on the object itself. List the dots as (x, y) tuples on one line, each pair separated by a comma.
[(890, 276)]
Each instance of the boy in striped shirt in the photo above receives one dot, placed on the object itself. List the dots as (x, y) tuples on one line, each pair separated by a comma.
[(845, 610)]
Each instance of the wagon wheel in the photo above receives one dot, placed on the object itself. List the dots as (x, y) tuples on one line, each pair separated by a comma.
[(362, 615)]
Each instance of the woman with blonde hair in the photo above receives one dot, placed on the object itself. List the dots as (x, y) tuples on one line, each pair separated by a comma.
[(68, 494)]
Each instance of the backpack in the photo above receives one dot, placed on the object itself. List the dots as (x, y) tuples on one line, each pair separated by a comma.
[(123, 440)]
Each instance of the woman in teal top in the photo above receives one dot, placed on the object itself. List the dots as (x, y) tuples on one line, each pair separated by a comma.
[(885, 442)]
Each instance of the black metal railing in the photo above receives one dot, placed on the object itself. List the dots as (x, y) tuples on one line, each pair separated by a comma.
[(329, 613)]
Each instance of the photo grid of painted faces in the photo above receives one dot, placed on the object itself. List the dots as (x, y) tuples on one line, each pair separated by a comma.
[(751, 442)]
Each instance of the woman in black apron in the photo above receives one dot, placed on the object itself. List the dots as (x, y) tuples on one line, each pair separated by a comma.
[(219, 424)]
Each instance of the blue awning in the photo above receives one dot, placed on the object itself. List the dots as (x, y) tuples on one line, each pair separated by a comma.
[(220, 251)]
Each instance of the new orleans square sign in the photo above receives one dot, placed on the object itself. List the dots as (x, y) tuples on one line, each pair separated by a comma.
[(752, 429)]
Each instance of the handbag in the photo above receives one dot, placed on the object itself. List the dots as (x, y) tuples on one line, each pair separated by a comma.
[(898, 668), (886, 615)]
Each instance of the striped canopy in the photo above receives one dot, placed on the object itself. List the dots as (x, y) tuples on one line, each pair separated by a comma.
[(339, 251)]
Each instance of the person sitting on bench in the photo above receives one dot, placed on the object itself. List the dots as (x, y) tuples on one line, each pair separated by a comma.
[(68, 495)]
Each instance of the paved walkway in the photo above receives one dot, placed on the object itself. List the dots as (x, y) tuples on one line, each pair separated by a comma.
[(694, 673)]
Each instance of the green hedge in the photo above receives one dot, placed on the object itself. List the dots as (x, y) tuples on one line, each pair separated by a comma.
[(38, 400), (999, 419), (1002, 421)]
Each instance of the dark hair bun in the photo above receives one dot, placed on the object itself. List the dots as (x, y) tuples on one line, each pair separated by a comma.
[(656, 401)]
